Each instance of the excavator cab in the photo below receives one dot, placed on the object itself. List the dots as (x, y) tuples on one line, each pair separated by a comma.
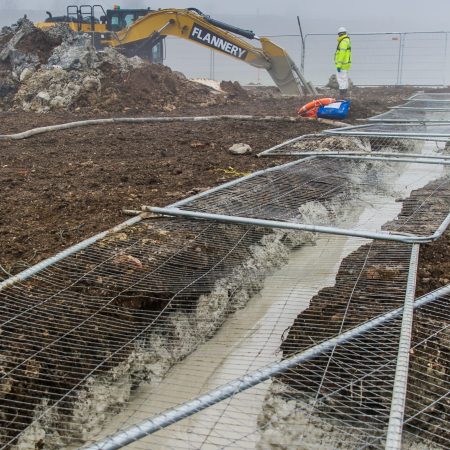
[(117, 19), (112, 19)]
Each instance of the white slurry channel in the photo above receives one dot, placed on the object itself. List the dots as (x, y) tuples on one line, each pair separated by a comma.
[(251, 337)]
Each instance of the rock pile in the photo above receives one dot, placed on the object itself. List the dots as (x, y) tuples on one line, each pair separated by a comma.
[(73, 70), (17, 61), (44, 70)]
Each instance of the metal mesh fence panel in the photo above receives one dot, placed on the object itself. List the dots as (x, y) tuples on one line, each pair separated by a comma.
[(427, 408), (431, 96), (440, 105), (340, 397), (382, 58), (165, 310), (370, 140), (412, 115), (423, 59), (429, 131), (378, 59), (223, 425), (287, 193), (79, 335), (426, 412), (375, 58)]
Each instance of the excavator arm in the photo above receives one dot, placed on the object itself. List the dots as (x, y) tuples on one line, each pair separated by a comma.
[(192, 25)]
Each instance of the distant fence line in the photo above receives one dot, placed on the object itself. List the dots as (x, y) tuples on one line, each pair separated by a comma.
[(382, 58), (385, 58)]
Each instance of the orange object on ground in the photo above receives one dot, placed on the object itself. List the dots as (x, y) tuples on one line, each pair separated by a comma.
[(311, 108)]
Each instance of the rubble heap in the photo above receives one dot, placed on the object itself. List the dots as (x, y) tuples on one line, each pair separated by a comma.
[(44, 70), (17, 62)]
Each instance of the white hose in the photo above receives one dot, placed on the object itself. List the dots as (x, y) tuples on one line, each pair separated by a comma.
[(85, 123)]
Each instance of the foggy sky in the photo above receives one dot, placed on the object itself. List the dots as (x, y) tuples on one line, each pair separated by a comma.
[(317, 16)]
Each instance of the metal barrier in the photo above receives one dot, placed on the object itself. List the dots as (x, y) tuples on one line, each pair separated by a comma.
[(168, 302), (386, 58)]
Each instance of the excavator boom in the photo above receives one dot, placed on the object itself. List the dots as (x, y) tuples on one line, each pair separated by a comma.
[(141, 32), (192, 25)]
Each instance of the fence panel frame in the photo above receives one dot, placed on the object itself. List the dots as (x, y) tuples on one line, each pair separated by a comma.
[(402, 38)]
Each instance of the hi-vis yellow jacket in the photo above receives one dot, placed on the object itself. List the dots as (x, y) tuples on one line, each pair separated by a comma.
[(343, 56)]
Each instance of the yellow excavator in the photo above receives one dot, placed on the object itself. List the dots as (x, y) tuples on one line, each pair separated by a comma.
[(141, 32)]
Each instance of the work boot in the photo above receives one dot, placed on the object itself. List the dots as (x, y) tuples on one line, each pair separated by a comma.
[(343, 94)]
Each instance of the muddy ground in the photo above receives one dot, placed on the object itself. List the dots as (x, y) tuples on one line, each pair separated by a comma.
[(62, 187)]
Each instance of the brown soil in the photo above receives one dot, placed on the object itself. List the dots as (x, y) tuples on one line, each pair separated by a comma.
[(62, 187), (234, 89), (150, 88), (39, 43), (434, 265)]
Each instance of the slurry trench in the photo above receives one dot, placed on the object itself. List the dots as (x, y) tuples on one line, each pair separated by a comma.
[(251, 337)]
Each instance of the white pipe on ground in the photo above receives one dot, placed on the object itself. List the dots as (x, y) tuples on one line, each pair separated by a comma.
[(136, 120)]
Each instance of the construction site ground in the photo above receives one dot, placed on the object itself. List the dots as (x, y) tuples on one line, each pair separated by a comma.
[(62, 187)]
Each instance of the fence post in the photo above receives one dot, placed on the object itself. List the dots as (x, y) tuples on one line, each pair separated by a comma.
[(444, 63), (304, 54), (302, 65), (399, 59)]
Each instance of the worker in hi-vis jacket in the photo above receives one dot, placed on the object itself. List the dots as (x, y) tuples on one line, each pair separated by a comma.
[(343, 61)]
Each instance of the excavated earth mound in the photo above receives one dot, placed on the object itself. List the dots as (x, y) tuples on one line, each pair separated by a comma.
[(20, 53), (57, 69), (39, 43), (234, 89), (149, 88)]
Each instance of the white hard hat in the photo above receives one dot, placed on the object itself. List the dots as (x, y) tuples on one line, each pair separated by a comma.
[(342, 30)]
